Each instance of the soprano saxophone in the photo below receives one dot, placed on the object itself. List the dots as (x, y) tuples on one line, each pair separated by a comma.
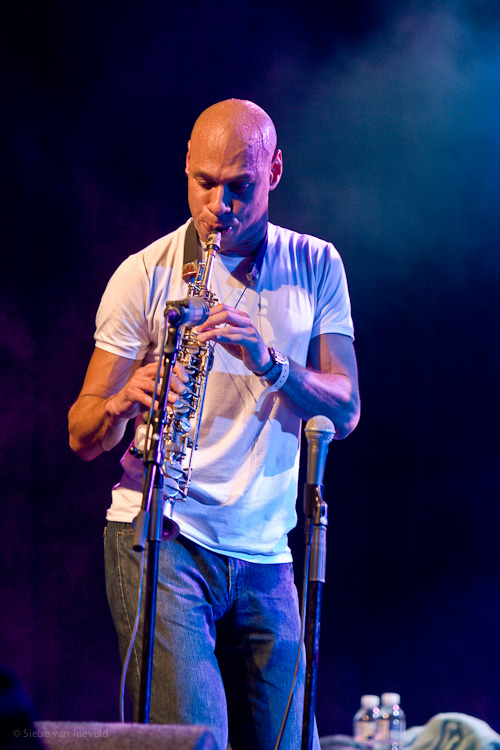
[(182, 427)]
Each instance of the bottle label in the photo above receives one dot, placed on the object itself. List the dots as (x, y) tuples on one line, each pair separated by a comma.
[(397, 728), (383, 730), (390, 730), (365, 730)]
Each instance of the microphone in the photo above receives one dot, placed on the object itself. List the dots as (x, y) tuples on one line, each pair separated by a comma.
[(319, 433), (192, 311)]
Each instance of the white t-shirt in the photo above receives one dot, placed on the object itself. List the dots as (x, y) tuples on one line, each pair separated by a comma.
[(241, 499)]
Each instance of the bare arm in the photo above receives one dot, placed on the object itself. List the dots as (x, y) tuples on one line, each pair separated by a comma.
[(327, 386), (115, 390)]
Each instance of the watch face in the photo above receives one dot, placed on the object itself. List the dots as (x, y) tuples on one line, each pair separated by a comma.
[(278, 357), (279, 368)]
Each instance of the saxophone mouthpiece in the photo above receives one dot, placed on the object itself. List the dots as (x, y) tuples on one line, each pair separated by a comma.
[(214, 240)]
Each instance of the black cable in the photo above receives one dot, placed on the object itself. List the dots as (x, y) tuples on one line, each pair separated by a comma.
[(126, 661), (301, 640)]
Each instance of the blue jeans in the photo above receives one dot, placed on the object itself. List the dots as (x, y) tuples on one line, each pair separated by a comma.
[(226, 640)]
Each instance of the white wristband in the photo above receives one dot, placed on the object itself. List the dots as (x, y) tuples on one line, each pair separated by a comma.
[(285, 372)]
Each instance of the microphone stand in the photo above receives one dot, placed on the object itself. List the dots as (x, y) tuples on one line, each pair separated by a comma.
[(316, 524), (150, 517)]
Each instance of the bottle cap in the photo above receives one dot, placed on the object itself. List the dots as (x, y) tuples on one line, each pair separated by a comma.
[(370, 701), (390, 699)]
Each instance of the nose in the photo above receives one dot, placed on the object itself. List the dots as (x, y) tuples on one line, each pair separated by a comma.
[(220, 200)]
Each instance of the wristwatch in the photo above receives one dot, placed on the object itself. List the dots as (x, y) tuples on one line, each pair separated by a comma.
[(278, 373)]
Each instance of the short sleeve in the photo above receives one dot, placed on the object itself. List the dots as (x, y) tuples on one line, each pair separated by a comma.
[(333, 305), (121, 326)]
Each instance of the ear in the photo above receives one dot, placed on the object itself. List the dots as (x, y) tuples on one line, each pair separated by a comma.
[(188, 158), (276, 169)]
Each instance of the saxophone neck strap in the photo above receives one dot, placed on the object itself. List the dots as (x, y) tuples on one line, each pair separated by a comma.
[(190, 249)]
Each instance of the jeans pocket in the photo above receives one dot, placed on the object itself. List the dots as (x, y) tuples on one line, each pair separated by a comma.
[(125, 529)]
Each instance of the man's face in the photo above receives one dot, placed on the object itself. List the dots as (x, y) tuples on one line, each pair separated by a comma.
[(228, 188)]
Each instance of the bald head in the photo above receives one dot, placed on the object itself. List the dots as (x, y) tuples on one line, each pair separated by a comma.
[(241, 119)]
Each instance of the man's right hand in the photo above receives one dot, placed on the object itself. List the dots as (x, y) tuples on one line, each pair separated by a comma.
[(137, 393), (115, 390)]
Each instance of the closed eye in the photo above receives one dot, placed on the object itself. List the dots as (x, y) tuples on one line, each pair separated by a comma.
[(239, 187), (205, 184)]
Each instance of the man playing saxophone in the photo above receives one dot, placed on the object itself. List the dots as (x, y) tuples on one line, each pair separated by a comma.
[(227, 626)]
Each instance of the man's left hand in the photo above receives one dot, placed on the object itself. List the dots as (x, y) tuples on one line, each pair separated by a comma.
[(234, 330)]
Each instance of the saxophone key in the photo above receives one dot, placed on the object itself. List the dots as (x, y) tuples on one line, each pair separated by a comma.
[(171, 447), (170, 487), (183, 424), (182, 406), (173, 469)]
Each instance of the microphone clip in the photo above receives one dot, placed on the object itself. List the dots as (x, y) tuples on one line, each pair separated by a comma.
[(314, 506)]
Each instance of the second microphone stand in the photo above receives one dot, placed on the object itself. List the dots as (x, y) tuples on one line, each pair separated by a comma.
[(319, 432), (316, 524)]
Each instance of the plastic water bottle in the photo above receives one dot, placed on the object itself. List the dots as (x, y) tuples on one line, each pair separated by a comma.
[(364, 723), (391, 723)]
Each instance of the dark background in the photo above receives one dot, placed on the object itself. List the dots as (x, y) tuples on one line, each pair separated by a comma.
[(388, 114)]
